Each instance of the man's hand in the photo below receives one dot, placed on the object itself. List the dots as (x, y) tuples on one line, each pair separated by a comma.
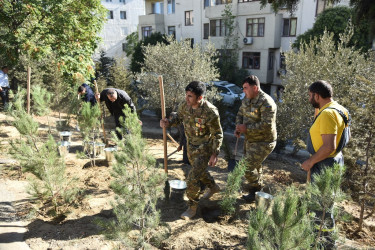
[(213, 160), (307, 165), (164, 123), (240, 129), (1, 89), (97, 97), (179, 148)]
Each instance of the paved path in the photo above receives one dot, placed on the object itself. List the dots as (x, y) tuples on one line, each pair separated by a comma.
[(12, 229)]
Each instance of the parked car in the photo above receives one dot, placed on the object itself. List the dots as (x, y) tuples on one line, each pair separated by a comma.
[(229, 91)]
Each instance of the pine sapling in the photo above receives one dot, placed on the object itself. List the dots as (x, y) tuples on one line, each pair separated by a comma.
[(232, 189), (41, 102), (287, 227), (138, 184)]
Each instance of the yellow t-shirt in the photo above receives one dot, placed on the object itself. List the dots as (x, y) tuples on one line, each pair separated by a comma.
[(328, 122)]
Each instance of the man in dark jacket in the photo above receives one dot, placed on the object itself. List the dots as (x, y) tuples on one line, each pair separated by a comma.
[(87, 93), (115, 100)]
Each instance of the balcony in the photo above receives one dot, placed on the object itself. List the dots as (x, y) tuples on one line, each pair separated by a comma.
[(154, 20)]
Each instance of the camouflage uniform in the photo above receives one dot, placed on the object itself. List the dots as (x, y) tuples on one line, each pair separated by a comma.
[(259, 116), (204, 137)]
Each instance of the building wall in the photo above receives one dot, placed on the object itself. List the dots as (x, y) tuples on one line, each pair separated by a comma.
[(115, 30)]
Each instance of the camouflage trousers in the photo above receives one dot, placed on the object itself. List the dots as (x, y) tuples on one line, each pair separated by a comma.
[(199, 156), (255, 153)]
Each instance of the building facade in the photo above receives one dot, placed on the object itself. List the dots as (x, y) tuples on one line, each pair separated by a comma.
[(122, 19), (262, 34)]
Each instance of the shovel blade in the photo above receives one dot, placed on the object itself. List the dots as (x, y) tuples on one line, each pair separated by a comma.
[(232, 164)]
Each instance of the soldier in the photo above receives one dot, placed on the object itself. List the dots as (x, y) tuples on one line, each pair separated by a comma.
[(256, 119), (204, 137)]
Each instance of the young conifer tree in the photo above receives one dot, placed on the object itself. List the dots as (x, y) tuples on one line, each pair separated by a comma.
[(230, 193), (41, 102), (323, 194), (50, 185), (89, 122), (138, 184), (287, 227)]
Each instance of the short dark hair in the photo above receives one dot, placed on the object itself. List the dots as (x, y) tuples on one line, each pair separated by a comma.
[(251, 80), (197, 87), (322, 88), (80, 89), (4, 67), (111, 91)]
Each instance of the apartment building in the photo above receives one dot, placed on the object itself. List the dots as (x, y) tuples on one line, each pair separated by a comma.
[(122, 19), (262, 34)]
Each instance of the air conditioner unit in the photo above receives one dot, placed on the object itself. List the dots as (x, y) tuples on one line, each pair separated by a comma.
[(248, 40)]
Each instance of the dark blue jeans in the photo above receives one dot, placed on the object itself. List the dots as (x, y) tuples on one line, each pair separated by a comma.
[(5, 97), (329, 162)]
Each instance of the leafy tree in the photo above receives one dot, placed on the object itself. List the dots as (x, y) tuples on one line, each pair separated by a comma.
[(365, 9), (138, 184), (288, 226), (69, 29), (138, 57), (351, 75), (103, 67), (183, 65), (131, 42), (336, 20)]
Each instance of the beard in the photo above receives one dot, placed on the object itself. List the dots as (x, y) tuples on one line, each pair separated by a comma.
[(314, 103)]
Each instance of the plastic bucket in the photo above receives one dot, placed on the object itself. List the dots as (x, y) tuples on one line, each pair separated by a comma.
[(63, 148), (263, 200), (178, 188), (109, 153), (65, 136)]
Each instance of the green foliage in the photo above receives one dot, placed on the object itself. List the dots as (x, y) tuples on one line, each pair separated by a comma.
[(231, 191), (138, 185), (89, 120), (323, 194), (351, 75), (131, 42), (227, 63), (103, 66), (138, 57), (55, 192), (182, 65), (36, 29), (336, 20), (41, 100), (287, 227)]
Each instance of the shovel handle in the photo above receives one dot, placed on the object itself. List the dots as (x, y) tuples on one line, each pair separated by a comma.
[(101, 114), (235, 148), (162, 103)]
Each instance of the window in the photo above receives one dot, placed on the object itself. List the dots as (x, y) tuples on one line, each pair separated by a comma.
[(172, 31), (146, 31), (251, 60), (289, 27), (158, 8), (124, 31), (217, 28), (108, 1), (110, 14), (206, 3), (271, 59), (255, 27), (245, 1), (282, 61), (171, 6), (219, 2), (124, 47), (123, 14), (206, 30), (189, 18), (122, 1)]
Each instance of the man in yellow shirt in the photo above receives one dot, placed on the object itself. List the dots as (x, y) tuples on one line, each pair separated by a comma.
[(329, 132)]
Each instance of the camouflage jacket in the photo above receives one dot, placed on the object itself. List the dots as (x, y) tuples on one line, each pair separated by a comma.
[(259, 116), (202, 125)]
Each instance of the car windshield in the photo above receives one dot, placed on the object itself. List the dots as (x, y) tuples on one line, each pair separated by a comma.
[(235, 89)]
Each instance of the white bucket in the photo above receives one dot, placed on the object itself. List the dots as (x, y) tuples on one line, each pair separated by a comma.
[(109, 153), (178, 188), (263, 199), (65, 136), (63, 148)]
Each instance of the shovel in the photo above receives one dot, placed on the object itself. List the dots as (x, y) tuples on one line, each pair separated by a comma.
[(233, 162), (162, 102)]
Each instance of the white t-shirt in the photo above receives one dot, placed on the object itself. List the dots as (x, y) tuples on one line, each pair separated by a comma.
[(4, 80)]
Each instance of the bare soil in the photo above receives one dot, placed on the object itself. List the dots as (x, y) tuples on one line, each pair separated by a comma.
[(79, 230)]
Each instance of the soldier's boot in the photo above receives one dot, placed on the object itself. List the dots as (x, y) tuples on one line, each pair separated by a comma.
[(211, 191), (251, 196), (190, 212)]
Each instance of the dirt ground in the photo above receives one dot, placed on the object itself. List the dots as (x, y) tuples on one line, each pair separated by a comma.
[(79, 231)]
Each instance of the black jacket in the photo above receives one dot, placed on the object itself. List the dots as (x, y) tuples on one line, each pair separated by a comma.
[(117, 106)]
